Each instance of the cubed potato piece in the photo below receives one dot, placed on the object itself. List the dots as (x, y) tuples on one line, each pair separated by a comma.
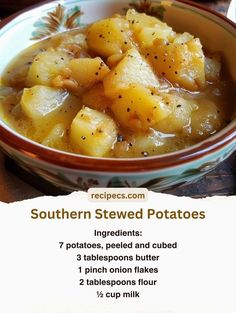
[(86, 72), (141, 144), (138, 108), (139, 21), (95, 98), (133, 69), (148, 28), (182, 38), (45, 67), (57, 138), (93, 133), (147, 35), (109, 36), (180, 116), (213, 68), (45, 107), (40, 101), (206, 120), (182, 64)]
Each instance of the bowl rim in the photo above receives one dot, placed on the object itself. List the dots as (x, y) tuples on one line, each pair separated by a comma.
[(124, 165)]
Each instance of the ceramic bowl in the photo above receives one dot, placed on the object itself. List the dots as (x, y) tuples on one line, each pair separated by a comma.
[(74, 172)]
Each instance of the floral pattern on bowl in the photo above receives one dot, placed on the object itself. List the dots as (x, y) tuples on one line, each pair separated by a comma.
[(59, 20)]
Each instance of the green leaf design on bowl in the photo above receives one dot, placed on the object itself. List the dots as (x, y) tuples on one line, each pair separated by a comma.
[(57, 21)]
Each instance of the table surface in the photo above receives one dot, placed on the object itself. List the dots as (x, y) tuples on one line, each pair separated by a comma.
[(16, 185)]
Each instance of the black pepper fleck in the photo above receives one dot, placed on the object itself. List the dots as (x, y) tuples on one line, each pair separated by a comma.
[(120, 138)]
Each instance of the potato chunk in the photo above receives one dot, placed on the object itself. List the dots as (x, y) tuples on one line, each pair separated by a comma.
[(183, 38), (206, 120), (44, 108), (138, 21), (141, 144), (147, 35), (182, 64), (40, 101), (109, 36), (86, 72), (147, 28), (180, 116), (45, 67), (93, 133), (133, 69), (95, 98), (213, 68), (138, 108), (57, 138)]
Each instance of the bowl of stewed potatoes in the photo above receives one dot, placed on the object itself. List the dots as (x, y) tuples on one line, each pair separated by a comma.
[(118, 93)]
